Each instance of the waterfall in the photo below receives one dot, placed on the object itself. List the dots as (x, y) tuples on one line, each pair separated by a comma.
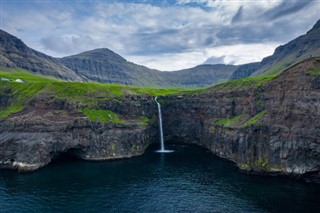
[(160, 125), (162, 150)]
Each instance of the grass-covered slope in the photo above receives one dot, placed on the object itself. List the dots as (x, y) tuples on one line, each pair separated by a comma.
[(15, 95), (14, 53), (299, 49)]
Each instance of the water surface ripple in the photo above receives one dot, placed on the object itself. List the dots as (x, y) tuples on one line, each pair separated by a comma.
[(187, 180)]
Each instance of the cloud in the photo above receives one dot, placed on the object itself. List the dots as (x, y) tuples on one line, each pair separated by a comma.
[(152, 33), (68, 43), (215, 60), (238, 16), (231, 54), (286, 8)]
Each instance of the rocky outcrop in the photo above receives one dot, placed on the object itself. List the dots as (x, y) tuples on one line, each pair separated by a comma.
[(47, 129), (244, 71), (273, 128), (266, 125)]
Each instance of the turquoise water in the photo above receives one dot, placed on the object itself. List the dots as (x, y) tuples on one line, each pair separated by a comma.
[(187, 180)]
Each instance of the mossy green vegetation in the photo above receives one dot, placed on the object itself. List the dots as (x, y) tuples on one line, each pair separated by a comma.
[(5, 112), (229, 122), (280, 66), (241, 120), (255, 119), (19, 94), (144, 120), (315, 71), (258, 165), (105, 116)]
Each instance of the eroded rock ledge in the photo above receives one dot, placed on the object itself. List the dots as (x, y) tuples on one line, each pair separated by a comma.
[(271, 127), (44, 130)]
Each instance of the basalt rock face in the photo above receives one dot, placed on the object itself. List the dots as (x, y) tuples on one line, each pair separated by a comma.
[(271, 127), (274, 128), (47, 129)]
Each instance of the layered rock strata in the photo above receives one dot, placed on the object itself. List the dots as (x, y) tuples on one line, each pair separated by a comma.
[(273, 128), (268, 126)]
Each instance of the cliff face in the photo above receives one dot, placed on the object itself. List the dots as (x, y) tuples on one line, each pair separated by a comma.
[(47, 129), (269, 124), (273, 128)]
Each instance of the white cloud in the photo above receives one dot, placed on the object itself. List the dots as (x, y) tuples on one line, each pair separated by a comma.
[(234, 54), (172, 37)]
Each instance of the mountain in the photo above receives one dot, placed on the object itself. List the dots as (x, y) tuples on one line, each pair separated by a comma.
[(200, 76), (14, 53), (104, 66), (301, 48), (244, 70)]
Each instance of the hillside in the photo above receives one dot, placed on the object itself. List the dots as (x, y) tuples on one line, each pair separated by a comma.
[(301, 48), (202, 76), (298, 49), (265, 124), (15, 54), (244, 70), (104, 66)]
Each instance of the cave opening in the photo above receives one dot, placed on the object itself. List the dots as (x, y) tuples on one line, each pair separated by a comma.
[(69, 155)]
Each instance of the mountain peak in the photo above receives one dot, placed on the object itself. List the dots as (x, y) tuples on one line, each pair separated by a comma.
[(10, 42), (315, 27), (100, 54)]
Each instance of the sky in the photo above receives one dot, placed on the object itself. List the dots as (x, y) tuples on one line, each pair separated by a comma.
[(165, 35)]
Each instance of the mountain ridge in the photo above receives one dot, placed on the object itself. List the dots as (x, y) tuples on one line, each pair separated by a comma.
[(105, 66), (298, 49), (14, 53)]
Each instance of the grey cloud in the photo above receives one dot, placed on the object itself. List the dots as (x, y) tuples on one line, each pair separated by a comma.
[(145, 30), (170, 40), (238, 16), (70, 44), (215, 60), (286, 8), (268, 27)]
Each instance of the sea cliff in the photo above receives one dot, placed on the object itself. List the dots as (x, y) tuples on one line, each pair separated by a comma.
[(266, 124)]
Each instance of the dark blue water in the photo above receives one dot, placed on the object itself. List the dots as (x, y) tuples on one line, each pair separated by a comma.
[(188, 180)]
